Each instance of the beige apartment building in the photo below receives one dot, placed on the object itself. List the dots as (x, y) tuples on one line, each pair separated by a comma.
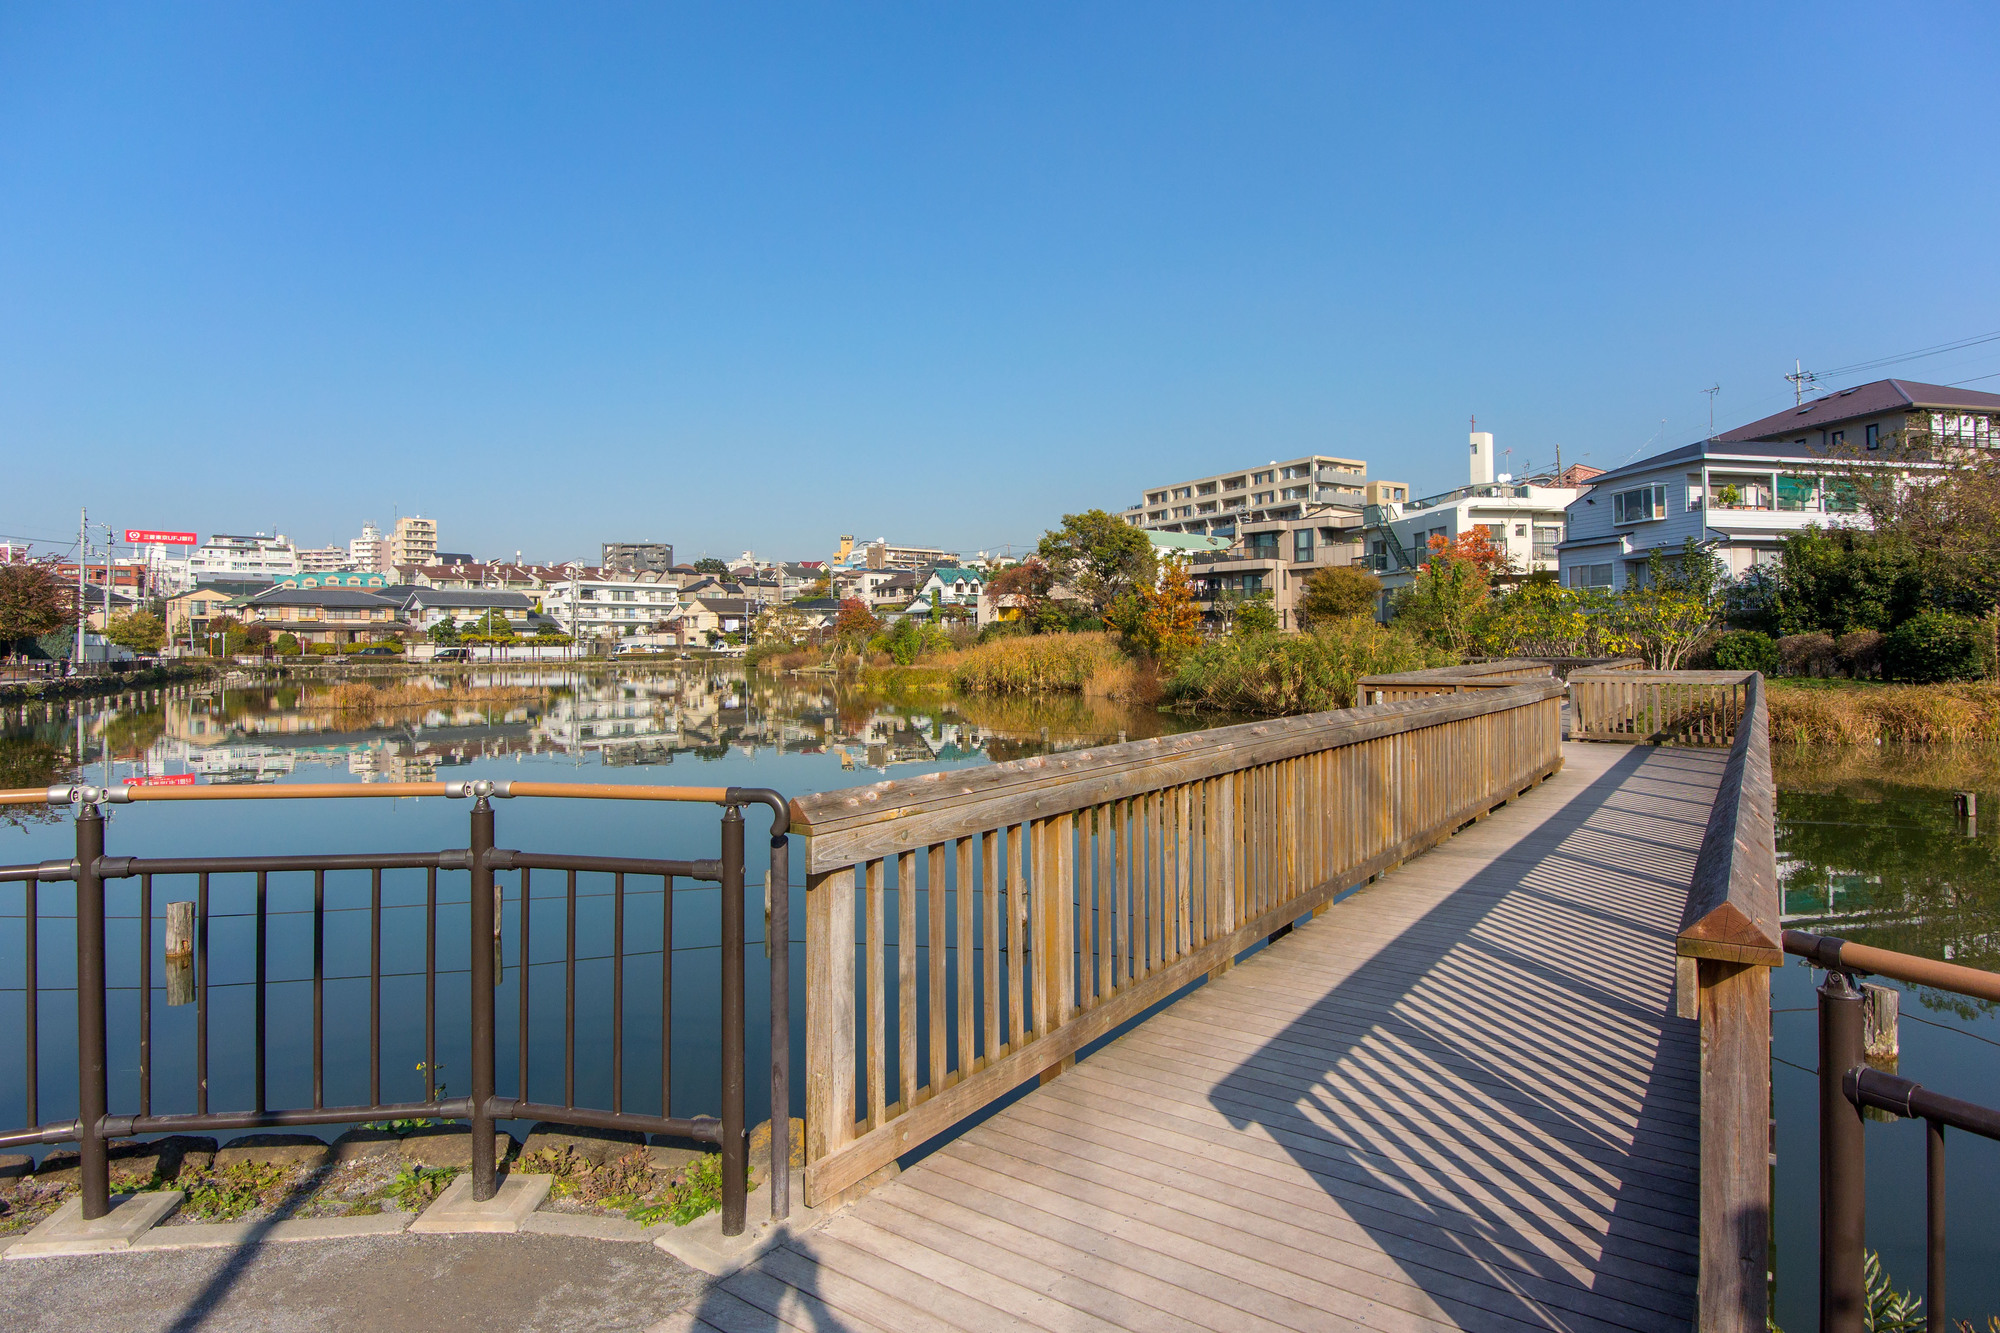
[(413, 541), (1283, 521)]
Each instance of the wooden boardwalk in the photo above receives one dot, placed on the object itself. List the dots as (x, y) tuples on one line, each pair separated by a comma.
[(1459, 1099)]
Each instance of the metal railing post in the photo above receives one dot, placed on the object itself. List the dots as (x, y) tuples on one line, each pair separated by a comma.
[(483, 1174), (92, 1093), (778, 937), (734, 1147), (1843, 1191)]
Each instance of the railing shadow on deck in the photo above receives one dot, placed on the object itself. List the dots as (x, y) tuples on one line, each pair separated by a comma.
[(1536, 1200)]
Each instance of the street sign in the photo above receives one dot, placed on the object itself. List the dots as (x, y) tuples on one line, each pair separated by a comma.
[(163, 780), (147, 537)]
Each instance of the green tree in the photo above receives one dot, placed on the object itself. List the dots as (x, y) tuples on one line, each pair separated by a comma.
[(141, 631), (34, 600), (709, 564), (493, 624), (1337, 592), (288, 645), (445, 631), (1100, 555), (1255, 617)]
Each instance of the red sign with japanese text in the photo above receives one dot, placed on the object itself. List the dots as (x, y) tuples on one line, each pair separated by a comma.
[(163, 780), (146, 537)]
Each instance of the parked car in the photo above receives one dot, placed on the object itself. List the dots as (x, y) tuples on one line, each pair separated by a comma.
[(452, 655), (374, 650)]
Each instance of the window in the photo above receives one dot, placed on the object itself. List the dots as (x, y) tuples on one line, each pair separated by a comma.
[(1302, 546), (1590, 576), (1262, 477), (1836, 438), (1797, 493), (1520, 529), (1233, 484), (1639, 506), (1295, 492), (1841, 497), (1206, 488), (1262, 545), (1874, 437)]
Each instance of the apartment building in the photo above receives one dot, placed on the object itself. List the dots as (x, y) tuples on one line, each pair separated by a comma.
[(413, 541), (324, 559), (879, 554), (226, 556), (637, 557), (368, 550), (610, 603)]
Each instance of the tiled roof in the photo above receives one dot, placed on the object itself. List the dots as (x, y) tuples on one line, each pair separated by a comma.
[(1864, 400)]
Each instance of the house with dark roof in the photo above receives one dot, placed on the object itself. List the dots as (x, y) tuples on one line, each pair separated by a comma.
[(1743, 493), (427, 607), (1885, 414), (339, 616)]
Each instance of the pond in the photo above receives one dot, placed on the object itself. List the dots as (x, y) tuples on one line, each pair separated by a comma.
[(695, 727), (1869, 849)]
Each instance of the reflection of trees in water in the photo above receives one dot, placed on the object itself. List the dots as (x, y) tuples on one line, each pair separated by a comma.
[(33, 760), (1886, 862)]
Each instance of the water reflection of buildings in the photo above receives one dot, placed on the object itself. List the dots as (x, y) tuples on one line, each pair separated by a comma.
[(624, 719)]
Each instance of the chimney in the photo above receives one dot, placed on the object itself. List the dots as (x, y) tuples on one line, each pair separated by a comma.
[(1482, 458)]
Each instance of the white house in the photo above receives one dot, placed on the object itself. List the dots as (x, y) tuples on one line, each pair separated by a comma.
[(953, 585), (1741, 499)]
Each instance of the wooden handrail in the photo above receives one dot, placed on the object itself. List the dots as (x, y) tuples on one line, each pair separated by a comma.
[(1728, 943), (1088, 886)]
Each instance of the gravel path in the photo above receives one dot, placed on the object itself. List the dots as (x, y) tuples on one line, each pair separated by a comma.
[(424, 1284)]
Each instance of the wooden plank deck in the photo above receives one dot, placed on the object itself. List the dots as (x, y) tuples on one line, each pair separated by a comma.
[(1459, 1099)]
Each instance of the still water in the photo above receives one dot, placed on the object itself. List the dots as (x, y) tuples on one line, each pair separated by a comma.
[(1867, 842), (691, 727), (1869, 850)]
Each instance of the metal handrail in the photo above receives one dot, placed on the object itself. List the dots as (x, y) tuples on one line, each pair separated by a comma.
[(90, 868), (1847, 1086)]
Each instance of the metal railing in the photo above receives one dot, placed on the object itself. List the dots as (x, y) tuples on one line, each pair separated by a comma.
[(90, 869), (1044, 902), (1847, 1087)]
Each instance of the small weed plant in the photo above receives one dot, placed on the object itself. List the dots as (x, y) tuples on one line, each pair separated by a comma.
[(235, 1190), (415, 1186)]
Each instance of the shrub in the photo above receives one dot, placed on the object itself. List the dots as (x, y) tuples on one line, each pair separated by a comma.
[(1860, 652), (288, 645), (324, 650), (1931, 647), (1808, 654), (1746, 650), (1300, 673)]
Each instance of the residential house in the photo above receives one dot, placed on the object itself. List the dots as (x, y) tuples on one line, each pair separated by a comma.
[(707, 620), (952, 585), (1884, 414), (348, 578), (339, 616), (426, 608), (189, 613)]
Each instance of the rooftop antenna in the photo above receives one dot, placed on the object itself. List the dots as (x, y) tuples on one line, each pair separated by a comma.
[(1800, 377), (1711, 391)]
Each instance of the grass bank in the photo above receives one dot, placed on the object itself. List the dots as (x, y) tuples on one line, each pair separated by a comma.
[(1862, 713), (1085, 664)]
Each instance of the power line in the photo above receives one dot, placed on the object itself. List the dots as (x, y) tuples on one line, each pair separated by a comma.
[(1918, 355)]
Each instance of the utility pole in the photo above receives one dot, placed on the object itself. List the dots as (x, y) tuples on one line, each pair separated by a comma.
[(1711, 392), (109, 544), (1800, 377), (82, 585)]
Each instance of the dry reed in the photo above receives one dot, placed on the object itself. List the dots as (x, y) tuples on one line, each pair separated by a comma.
[(1885, 714)]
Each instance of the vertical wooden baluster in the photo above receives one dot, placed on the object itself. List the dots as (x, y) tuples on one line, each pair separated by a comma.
[(903, 879), (937, 918), (990, 896), (1017, 937), (878, 1031), (1105, 896), (1041, 911), (1081, 912), (830, 1109), (1183, 865), (963, 958)]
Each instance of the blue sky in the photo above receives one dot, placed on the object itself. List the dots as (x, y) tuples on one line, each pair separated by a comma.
[(753, 276)]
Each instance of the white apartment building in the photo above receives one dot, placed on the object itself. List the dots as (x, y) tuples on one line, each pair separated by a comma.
[(367, 550), (323, 559), (225, 557), (1524, 517), (1276, 492), (598, 603)]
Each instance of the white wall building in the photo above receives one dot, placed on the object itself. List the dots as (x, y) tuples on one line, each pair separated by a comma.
[(595, 603), (368, 550), (323, 559), (226, 557)]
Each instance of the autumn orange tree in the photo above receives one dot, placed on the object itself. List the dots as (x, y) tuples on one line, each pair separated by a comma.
[(1452, 589), (1159, 618)]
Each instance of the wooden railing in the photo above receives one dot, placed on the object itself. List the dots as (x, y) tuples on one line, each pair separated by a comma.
[(971, 930), (1448, 680), (1654, 707), (1728, 943)]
